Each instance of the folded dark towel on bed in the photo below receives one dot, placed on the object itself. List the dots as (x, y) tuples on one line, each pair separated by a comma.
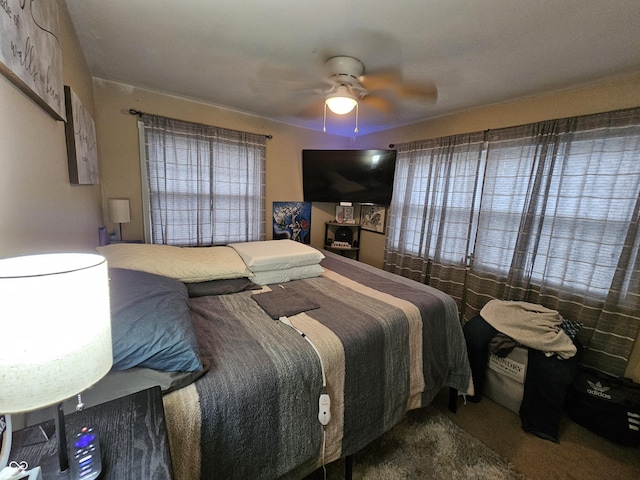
[(284, 303)]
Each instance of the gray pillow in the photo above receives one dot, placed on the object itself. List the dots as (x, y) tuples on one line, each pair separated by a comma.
[(220, 287), (151, 324)]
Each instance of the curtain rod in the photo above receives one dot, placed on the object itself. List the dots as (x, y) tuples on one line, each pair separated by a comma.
[(133, 111)]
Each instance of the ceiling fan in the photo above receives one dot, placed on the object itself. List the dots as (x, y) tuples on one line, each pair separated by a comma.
[(350, 85), (342, 83)]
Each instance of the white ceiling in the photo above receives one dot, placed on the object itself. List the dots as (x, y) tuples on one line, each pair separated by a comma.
[(265, 56)]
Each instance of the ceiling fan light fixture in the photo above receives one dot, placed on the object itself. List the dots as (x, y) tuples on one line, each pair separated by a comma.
[(341, 102)]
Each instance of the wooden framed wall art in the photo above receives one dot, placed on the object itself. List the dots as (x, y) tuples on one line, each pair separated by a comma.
[(80, 131), (373, 218), (30, 51)]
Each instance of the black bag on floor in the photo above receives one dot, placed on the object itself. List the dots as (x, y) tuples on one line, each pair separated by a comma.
[(606, 405)]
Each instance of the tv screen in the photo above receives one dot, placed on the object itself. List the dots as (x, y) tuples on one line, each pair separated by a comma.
[(358, 176)]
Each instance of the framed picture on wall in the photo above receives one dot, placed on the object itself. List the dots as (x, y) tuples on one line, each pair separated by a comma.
[(80, 132), (373, 217), (292, 220), (31, 52)]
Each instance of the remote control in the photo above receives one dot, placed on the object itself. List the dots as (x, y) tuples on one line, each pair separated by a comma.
[(324, 409), (86, 461)]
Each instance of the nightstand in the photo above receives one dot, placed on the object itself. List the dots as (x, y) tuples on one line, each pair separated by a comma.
[(133, 437)]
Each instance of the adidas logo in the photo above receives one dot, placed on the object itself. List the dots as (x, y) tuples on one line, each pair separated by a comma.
[(634, 421), (598, 390)]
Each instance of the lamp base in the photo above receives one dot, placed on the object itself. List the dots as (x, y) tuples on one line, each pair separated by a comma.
[(85, 455), (56, 465), (50, 466)]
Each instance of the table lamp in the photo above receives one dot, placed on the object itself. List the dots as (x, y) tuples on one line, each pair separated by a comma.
[(55, 334), (119, 211)]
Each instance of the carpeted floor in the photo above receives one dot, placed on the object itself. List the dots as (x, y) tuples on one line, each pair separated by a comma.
[(484, 441), (425, 445), (580, 454)]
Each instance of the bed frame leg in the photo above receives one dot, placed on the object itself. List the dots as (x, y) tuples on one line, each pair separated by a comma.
[(453, 400), (348, 467)]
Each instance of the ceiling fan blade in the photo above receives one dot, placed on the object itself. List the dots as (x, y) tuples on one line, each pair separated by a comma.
[(377, 102), (426, 92), (381, 80)]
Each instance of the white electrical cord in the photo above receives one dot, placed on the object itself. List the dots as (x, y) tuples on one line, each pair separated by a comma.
[(324, 404), (286, 321), (324, 448), (18, 471)]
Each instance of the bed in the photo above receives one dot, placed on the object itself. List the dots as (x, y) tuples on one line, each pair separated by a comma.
[(243, 399)]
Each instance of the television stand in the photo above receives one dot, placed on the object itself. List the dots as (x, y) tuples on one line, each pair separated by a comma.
[(345, 245)]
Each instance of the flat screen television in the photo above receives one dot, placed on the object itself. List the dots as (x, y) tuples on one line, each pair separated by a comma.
[(357, 176)]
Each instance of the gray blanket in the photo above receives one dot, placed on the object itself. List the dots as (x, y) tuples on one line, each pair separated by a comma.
[(388, 345)]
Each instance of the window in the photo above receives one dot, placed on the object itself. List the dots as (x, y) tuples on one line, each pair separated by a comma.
[(557, 203), (435, 196), (204, 185), (546, 213), (561, 199)]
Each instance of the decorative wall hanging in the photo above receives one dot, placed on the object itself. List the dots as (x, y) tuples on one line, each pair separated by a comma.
[(82, 152), (372, 217), (30, 51), (292, 220)]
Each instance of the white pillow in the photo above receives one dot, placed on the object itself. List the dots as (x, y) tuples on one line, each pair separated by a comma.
[(287, 274), (187, 264), (276, 254)]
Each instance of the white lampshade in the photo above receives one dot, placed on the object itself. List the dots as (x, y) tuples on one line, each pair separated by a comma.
[(55, 328), (119, 210)]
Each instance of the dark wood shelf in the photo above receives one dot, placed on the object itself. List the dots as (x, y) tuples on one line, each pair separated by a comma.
[(133, 437), (347, 249), (336, 224), (330, 229)]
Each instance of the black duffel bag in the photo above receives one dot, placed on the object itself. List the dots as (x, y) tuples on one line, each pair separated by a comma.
[(606, 405)]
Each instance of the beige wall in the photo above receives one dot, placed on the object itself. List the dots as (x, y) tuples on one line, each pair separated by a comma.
[(40, 211), (119, 150), (120, 168), (616, 93)]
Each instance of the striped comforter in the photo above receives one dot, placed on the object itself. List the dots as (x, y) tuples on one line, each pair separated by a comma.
[(388, 344)]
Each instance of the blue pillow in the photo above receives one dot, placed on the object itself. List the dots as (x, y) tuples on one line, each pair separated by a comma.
[(150, 323)]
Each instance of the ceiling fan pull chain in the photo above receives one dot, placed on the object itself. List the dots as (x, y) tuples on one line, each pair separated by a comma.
[(324, 118), (356, 129)]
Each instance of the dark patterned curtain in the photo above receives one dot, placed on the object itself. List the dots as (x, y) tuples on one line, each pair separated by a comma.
[(556, 223), (431, 218), (206, 185)]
